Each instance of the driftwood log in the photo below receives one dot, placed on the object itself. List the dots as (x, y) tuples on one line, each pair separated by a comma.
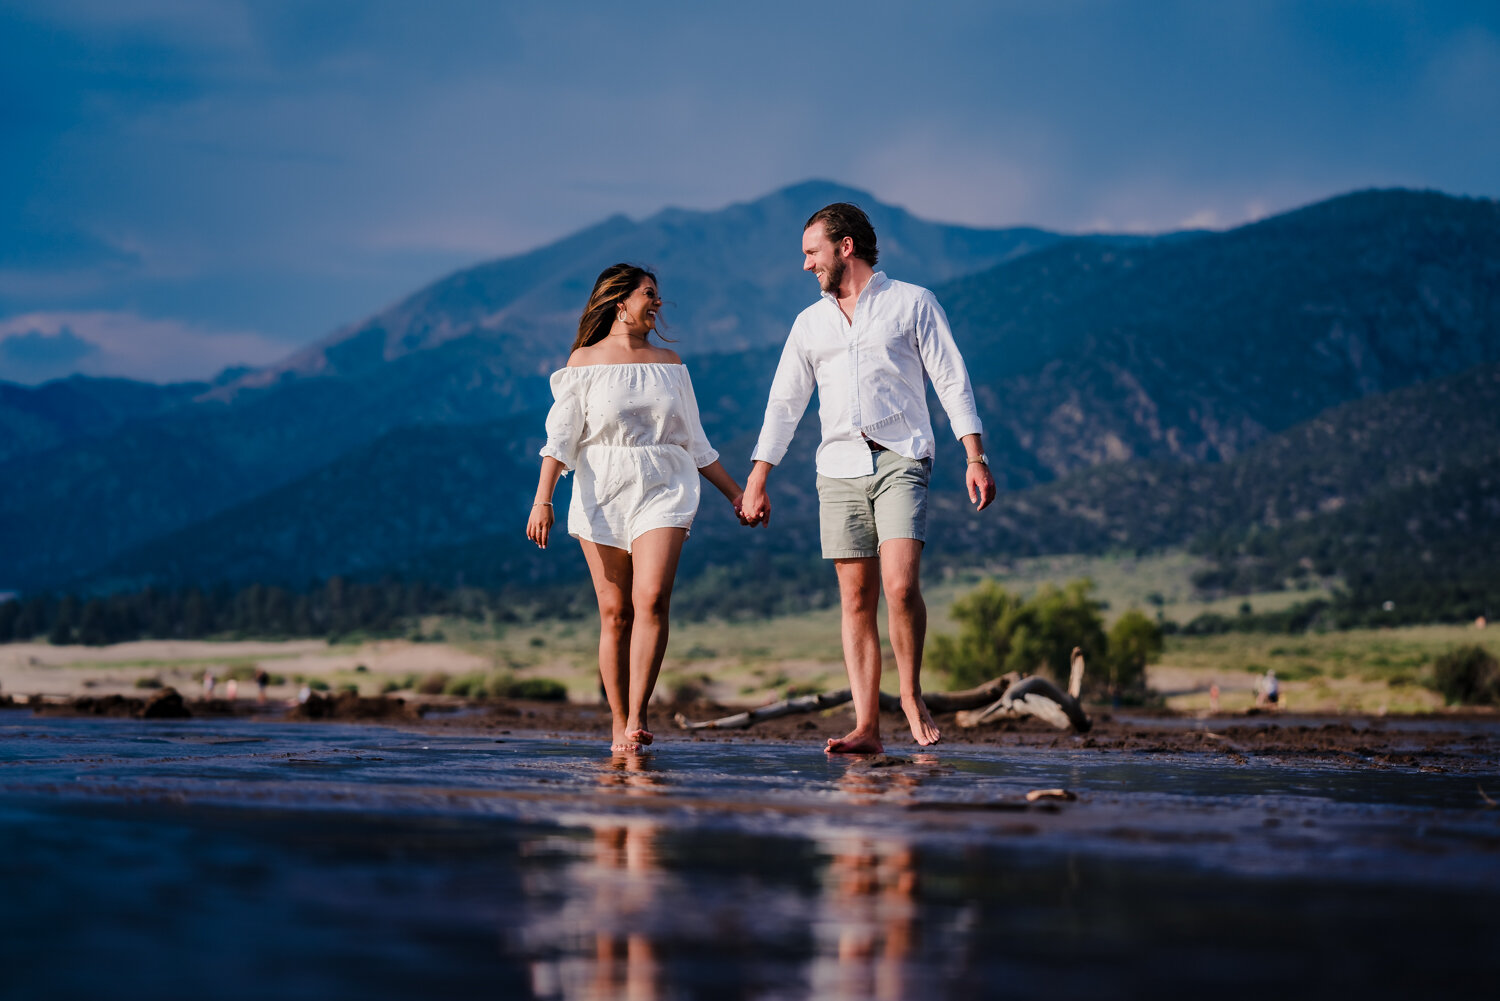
[(1038, 697), (1007, 697)]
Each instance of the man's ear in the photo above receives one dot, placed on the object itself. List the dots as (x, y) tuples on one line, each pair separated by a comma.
[(846, 247)]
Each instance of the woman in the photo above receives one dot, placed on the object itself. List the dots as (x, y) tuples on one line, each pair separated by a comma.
[(626, 420)]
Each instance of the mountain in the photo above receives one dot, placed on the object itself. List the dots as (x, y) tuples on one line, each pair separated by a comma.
[(1132, 373), (1394, 494), (732, 275), (472, 348), (1197, 350), (34, 419)]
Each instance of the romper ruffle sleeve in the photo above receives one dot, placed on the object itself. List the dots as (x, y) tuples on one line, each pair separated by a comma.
[(565, 419), (702, 452)]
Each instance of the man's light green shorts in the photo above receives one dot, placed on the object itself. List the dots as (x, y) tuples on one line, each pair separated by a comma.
[(856, 515)]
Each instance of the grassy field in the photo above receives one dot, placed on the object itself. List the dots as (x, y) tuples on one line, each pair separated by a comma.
[(754, 661)]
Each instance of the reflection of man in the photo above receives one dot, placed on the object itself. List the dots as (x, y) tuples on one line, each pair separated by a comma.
[(866, 346), (866, 928)]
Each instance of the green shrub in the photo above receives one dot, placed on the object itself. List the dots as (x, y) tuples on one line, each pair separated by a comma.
[(1468, 675), (467, 685), (318, 685), (542, 689), (999, 632), (1134, 641), (148, 682), (433, 684)]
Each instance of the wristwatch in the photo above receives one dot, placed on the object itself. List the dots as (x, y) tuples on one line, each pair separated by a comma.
[(981, 457)]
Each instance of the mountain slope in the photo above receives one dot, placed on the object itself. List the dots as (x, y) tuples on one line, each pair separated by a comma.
[(1084, 353), (1197, 350), (730, 277), (36, 418)]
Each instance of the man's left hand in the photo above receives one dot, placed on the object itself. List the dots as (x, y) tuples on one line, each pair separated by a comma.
[(981, 485)]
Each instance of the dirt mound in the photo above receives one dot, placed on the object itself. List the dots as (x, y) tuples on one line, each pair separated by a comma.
[(348, 705), (165, 704)]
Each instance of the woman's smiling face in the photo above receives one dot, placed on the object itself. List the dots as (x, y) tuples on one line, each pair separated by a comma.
[(641, 306)]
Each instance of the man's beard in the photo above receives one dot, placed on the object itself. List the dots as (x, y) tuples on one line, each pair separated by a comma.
[(834, 277)]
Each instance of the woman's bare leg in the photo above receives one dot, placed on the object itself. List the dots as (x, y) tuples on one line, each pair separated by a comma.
[(654, 557), (611, 571)]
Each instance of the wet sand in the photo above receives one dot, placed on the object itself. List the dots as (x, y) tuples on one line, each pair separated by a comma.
[(499, 850), (1456, 741)]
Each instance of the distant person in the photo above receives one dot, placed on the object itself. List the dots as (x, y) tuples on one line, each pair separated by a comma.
[(866, 347), (208, 683), (625, 419), (231, 689), (262, 679), (1270, 691), (1213, 698)]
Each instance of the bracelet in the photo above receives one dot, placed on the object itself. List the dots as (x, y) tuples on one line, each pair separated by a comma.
[(542, 504)]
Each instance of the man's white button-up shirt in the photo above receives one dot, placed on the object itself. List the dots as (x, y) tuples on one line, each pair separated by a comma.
[(868, 373)]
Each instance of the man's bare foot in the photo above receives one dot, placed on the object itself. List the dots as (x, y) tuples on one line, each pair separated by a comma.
[(856, 742), (923, 730), (624, 747), (640, 735)]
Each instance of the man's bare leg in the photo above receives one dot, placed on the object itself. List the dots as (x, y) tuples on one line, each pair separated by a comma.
[(611, 571), (859, 597), (654, 558), (900, 571)]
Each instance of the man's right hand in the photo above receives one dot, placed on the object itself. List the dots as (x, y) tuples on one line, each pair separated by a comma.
[(755, 504)]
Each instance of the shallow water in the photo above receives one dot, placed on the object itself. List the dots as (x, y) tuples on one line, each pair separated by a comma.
[(239, 858)]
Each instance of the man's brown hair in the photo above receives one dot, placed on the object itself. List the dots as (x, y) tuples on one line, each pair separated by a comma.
[(842, 219)]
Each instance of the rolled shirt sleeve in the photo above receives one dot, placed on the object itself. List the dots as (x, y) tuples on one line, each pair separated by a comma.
[(945, 367), (791, 390)]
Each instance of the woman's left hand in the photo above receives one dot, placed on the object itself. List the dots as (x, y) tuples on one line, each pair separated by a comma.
[(539, 525)]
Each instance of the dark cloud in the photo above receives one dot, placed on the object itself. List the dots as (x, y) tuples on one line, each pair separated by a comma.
[(35, 350), (283, 166)]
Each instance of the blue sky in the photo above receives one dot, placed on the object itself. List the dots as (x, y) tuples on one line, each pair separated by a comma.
[(191, 184)]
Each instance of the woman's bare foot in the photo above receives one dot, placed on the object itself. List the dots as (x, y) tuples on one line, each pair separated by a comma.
[(640, 735), (624, 747), (923, 730), (856, 742)]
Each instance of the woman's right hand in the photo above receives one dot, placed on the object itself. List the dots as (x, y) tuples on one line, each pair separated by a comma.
[(539, 525)]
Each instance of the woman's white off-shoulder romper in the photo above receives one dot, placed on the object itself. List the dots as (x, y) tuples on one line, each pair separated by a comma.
[(633, 435)]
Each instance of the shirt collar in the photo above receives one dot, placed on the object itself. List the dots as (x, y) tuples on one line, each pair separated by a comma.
[(873, 285)]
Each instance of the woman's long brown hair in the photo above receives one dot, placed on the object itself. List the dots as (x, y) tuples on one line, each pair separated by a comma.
[(614, 285)]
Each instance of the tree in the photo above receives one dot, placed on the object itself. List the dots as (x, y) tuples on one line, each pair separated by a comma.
[(1134, 641), (999, 632)]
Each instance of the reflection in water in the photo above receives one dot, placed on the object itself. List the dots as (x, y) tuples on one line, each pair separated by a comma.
[(603, 927), (630, 772), (865, 928), (870, 781)]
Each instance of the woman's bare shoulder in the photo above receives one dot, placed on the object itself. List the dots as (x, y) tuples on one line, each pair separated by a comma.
[(583, 356), (667, 356)]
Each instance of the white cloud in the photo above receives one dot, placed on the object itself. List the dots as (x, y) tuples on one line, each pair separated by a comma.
[(1202, 219), (36, 347)]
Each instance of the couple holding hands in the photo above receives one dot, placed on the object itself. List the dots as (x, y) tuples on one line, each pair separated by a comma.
[(625, 419)]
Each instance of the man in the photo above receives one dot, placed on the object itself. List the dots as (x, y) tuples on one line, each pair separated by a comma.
[(866, 346)]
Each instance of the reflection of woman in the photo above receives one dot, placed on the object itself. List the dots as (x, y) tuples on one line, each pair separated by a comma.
[(626, 420)]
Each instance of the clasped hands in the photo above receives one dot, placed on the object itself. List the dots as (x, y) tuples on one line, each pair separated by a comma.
[(753, 507)]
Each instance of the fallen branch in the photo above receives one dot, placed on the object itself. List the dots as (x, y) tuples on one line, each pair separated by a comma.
[(1005, 697), (1032, 696), (939, 702)]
